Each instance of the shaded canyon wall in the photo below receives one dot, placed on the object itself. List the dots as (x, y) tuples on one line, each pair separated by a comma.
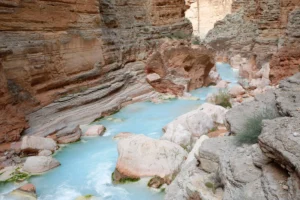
[(260, 33), (63, 61)]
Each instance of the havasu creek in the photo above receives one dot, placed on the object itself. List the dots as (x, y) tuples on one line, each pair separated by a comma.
[(153, 99), (89, 171)]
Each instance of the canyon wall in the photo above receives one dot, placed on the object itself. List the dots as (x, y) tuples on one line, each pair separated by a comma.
[(66, 61), (203, 14), (258, 33)]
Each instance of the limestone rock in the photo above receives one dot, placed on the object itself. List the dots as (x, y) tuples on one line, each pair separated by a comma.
[(278, 142), (33, 144), (45, 153), (236, 91), (96, 130), (237, 117), (185, 129), (217, 113), (140, 156), (25, 192), (39, 164), (190, 182), (70, 138)]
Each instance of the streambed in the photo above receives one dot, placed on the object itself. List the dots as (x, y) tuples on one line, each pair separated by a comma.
[(86, 166)]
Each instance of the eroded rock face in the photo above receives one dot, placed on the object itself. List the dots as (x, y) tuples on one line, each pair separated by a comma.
[(83, 51), (140, 156), (258, 32), (181, 68)]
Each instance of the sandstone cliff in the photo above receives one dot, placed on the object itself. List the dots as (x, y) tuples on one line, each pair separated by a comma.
[(82, 51), (261, 32)]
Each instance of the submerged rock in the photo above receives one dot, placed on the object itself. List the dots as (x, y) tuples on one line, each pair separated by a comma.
[(141, 156), (33, 144), (25, 192), (39, 164), (96, 130)]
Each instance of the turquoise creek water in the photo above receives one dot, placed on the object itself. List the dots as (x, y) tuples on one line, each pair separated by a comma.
[(86, 166)]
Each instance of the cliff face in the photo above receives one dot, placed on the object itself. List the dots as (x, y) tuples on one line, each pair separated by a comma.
[(82, 51), (203, 14), (266, 31)]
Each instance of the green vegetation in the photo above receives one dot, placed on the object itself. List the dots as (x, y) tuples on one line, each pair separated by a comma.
[(214, 129), (196, 41), (88, 196), (223, 99), (124, 179), (211, 186), (18, 176), (253, 127)]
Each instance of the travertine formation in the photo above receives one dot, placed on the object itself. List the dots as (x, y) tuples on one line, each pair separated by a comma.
[(61, 48), (260, 32), (203, 14)]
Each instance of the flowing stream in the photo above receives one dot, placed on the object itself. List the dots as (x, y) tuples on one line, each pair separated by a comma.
[(86, 166)]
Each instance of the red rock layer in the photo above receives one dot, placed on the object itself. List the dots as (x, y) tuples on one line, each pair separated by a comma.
[(62, 47)]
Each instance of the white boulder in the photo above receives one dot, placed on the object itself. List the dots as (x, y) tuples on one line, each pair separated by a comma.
[(217, 113), (141, 156), (35, 144), (97, 130), (39, 164)]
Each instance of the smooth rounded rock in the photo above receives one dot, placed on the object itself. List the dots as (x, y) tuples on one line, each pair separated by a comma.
[(39, 164), (97, 130)]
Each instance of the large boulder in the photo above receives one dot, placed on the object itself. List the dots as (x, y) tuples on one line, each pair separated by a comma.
[(187, 128), (141, 156), (39, 164), (217, 113), (33, 144), (238, 116)]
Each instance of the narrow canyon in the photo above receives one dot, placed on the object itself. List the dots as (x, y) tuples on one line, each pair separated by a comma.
[(153, 99)]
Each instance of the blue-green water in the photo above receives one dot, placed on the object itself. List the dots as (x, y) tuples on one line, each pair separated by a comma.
[(86, 166)]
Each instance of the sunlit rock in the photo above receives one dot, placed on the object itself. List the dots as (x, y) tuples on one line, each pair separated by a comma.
[(141, 156), (96, 130), (33, 144), (39, 164)]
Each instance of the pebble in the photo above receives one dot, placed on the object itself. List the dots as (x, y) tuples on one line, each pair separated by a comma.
[(296, 134)]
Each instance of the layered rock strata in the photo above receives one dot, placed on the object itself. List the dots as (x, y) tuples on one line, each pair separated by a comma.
[(73, 57), (258, 33), (179, 68)]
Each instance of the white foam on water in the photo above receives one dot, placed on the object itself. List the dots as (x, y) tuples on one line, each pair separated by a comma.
[(100, 180), (63, 192)]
